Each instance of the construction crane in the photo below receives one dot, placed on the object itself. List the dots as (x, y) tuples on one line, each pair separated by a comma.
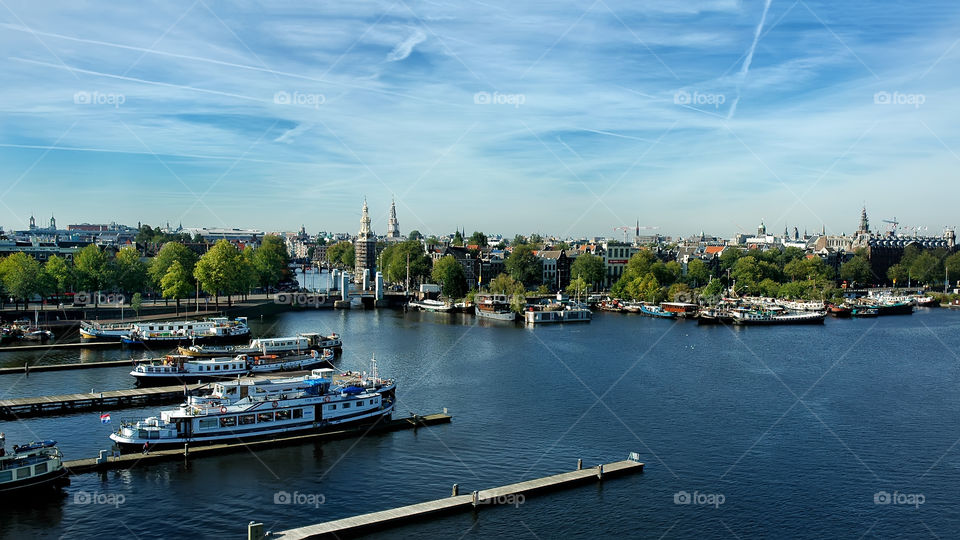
[(639, 228), (893, 222), (624, 229)]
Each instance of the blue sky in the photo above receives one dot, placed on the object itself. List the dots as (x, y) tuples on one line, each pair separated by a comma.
[(551, 117)]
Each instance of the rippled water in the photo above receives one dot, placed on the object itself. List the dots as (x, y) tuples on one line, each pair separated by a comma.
[(797, 428)]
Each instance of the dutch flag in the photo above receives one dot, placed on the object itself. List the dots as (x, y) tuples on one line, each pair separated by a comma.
[(104, 418)]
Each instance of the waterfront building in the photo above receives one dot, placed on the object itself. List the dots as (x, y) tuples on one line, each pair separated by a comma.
[(616, 255), (365, 247), (247, 237), (556, 268)]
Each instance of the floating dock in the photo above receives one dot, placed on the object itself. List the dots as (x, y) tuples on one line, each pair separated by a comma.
[(55, 346), (72, 403), (126, 461), (513, 494), (63, 367)]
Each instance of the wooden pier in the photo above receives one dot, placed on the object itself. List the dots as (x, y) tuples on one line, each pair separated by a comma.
[(126, 461), (99, 401), (55, 346), (63, 367), (513, 494)]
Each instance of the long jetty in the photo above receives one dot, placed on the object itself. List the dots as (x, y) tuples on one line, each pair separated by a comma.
[(108, 400), (513, 494), (107, 462), (27, 368), (55, 346)]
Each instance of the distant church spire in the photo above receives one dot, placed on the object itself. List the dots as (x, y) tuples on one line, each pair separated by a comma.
[(864, 222), (393, 226)]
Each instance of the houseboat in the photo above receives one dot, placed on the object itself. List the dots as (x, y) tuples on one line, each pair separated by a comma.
[(430, 305), (682, 309), (30, 467), (216, 329), (246, 409), (301, 343), (95, 331), (494, 306), (569, 313), (176, 368), (269, 363), (651, 310), (749, 317)]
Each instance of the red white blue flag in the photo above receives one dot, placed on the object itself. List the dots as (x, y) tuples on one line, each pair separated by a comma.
[(104, 418)]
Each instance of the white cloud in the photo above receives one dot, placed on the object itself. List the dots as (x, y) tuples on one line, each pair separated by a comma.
[(405, 47), (289, 135)]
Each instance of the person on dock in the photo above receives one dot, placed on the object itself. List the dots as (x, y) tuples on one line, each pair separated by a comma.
[(146, 447)]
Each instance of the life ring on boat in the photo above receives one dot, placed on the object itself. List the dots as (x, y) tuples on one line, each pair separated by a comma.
[(326, 399), (223, 410), (276, 404)]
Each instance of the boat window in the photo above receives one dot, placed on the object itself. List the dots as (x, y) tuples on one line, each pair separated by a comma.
[(265, 417), (332, 407), (228, 421), (247, 419), (216, 367), (23, 472), (283, 415), (298, 413), (6, 476), (346, 405), (40, 468), (208, 423)]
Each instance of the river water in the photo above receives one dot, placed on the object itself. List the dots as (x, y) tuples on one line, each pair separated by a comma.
[(766, 432)]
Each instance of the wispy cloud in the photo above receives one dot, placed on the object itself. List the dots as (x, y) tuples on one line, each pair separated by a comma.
[(405, 47), (745, 67)]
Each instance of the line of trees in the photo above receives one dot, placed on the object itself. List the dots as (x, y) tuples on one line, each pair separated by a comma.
[(175, 272)]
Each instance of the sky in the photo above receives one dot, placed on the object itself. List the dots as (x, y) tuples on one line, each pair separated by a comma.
[(560, 118)]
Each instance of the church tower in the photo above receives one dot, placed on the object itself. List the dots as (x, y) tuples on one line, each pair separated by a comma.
[(53, 223), (393, 226), (33, 223), (365, 247), (864, 222)]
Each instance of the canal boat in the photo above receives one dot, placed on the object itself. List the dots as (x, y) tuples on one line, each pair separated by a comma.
[(864, 312), (714, 316), (569, 313), (175, 368), (682, 309), (795, 305), (749, 317), (95, 331), (494, 306), (213, 330), (291, 362), (430, 305), (841, 312), (248, 410), (34, 466), (301, 343), (651, 310)]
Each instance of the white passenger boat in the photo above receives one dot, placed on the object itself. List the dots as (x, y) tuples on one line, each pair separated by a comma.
[(175, 368), (747, 317), (301, 343), (430, 305), (30, 467), (270, 363), (569, 313), (95, 331), (216, 329), (494, 306), (243, 410)]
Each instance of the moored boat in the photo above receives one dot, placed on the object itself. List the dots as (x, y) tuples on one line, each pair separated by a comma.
[(430, 305), (34, 466), (213, 330), (682, 309), (301, 343), (864, 311), (246, 410), (841, 312), (95, 331), (494, 306), (749, 317), (568, 313), (652, 310)]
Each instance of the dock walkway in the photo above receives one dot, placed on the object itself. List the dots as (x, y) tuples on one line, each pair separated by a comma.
[(512, 494), (99, 401)]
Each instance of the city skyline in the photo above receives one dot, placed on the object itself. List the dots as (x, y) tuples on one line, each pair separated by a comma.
[(710, 116)]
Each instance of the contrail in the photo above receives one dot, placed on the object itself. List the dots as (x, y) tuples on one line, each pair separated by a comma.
[(746, 61)]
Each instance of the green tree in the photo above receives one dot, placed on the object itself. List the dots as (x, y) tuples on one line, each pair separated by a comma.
[(504, 284), (393, 262), (523, 265), (415, 235), (270, 260), (697, 273), (713, 290), (857, 270), (136, 303), (457, 239), (578, 287), (176, 283), (768, 287), (478, 238), (952, 264), (249, 277), (589, 267), (170, 252), (680, 292), (449, 274), (898, 274), (131, 272), (926, 269), (646, 288), (729, 257), (219, 271), (59, 273), (93, 270), (21, 276), (341, 254)]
